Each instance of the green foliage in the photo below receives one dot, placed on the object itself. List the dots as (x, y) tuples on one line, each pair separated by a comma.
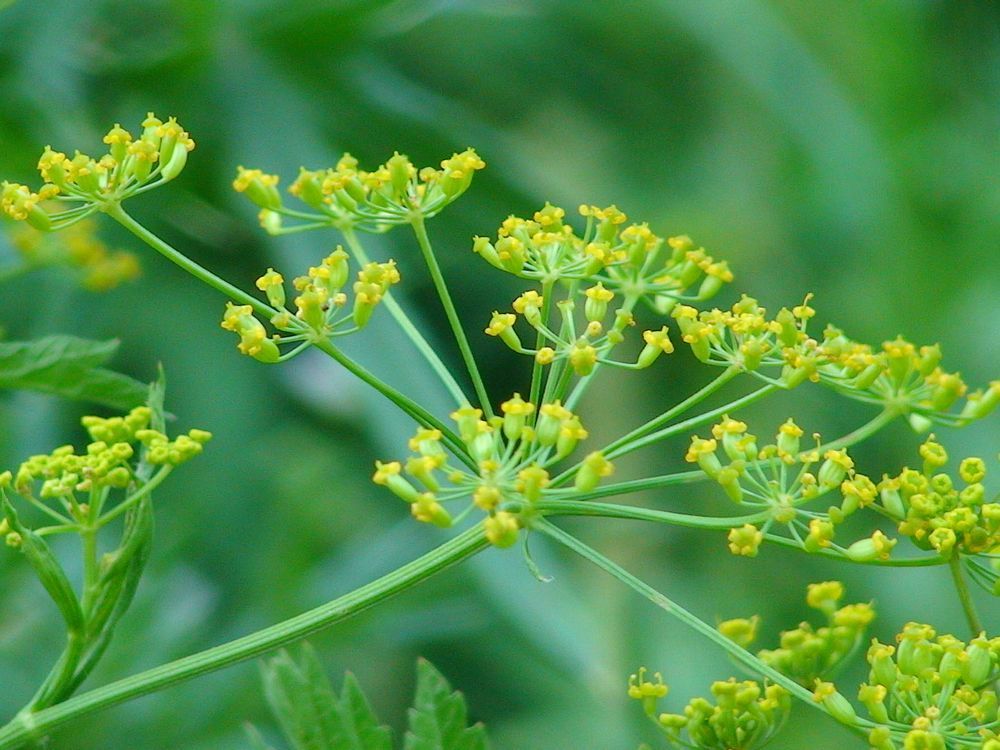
[(437, 719), (69, 367), (314, 717)]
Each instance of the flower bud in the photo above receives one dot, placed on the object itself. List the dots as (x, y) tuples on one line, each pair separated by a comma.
[(876, 547), (702, 452), (272, 284), (531, 481), (582, 358), (427, 509), (401, 171), (880, 738), (592, 469), (529, 305), (596, 306), (175, 164), (729, 479), (258, 187), (948, 389), (511, 253), (550, 422), (835, 703), (515, 412), (883, 668), (742, 632), (657, 343), (745, 540), (873, 698), (482, 247), (976, 669), (388, 475), (788, 438), (501, 529), (982, 403), (834, 468)]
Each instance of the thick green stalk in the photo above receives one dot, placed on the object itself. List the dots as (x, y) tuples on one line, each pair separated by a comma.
[(965, 596), (741, 655), (32, 726), (452, 314), (412, 332)]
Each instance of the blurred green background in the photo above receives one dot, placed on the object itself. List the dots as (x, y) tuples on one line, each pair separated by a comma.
[(849, 149)]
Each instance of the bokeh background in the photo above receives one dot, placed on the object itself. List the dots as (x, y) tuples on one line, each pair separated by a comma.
[(849, 149)]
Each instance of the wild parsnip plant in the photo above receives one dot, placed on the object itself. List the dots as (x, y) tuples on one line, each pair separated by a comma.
[(602, 297)]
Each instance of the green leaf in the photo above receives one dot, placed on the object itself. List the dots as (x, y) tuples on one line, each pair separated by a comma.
[(69, 367), (359, 721), (51, 574), (437, 720), (310, 713)]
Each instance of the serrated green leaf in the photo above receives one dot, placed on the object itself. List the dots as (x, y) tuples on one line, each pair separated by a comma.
[(359, 721), (70, 367), (310, 713), (288, 691), (437, 720)]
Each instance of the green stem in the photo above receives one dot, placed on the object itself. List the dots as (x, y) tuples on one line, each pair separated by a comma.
[(741, 655), (116, 212), (636, 485), (417, 222), (612, 510), (695, 398), (965, 596), (687, 424), (633, 513), (130, 501), (538, 370), (29, 726), (622, 446), (88, 536), (409, 406), (61, 673), (405, 403), (400, 316), (866, 430), (912, 562)]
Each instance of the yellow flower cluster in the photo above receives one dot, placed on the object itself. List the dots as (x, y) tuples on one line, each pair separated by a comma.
[(80, 249), (131, 165), (622, 257), (511, 455), (348, 197), (107, 461), (780, 478), (594, 343), (902, 373), (744, 336), (938, 513), (902, 376), (319, 305), (805, 653), (936, 686), (744, 715)]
